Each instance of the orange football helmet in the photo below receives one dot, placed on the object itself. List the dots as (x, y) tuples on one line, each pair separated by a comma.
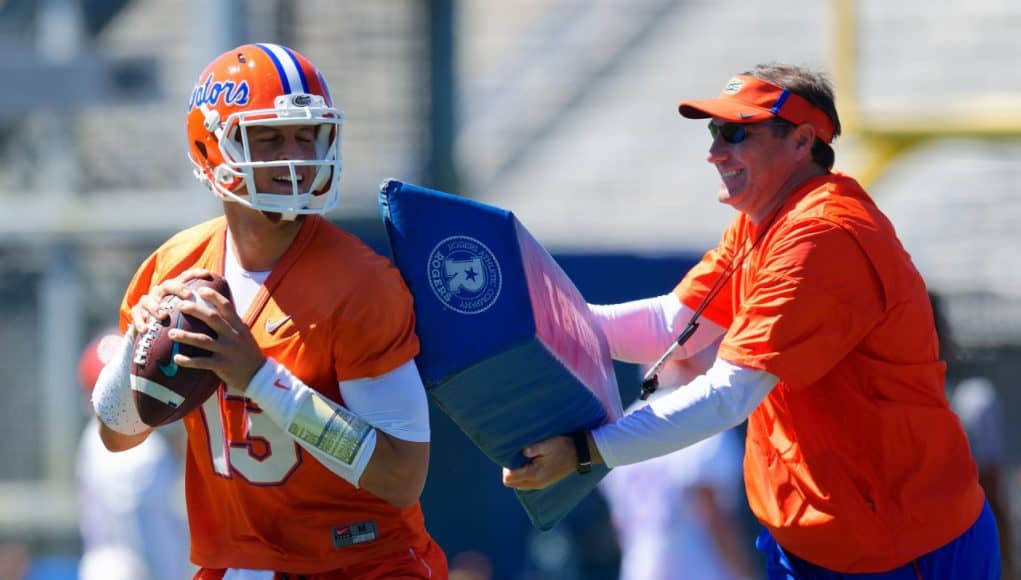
[(263, 84)]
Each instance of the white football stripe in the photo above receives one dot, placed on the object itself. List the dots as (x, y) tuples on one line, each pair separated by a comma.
[(288, 65), (156, 391)]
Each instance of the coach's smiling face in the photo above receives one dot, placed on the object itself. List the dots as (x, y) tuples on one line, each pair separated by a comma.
[(767, 164)]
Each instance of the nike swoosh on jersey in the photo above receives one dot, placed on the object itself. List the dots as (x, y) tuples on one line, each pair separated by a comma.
[(172, 368), (273, 325)]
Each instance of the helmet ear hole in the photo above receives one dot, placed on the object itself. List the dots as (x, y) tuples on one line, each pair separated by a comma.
[(202, 149)]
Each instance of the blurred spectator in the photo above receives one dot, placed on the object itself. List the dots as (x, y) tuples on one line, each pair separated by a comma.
[(131, 503), (581, 547), (976, 402), (471, 565), (14, 560), (677, 516)]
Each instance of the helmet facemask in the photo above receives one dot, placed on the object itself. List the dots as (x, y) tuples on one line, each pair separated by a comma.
[(234, 179)]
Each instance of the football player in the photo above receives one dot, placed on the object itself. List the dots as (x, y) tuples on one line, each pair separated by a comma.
[(310, 459)]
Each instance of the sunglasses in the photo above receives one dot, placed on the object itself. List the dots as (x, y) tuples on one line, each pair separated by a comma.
[(732, 133)]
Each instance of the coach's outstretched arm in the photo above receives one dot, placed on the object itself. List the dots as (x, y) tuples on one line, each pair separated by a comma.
[(640, 331), (718, 400)]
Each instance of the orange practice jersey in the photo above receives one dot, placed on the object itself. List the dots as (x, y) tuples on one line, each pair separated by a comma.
[(331, 310), (854, 461)]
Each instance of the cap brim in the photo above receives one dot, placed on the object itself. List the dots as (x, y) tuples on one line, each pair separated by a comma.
[(731, 111)]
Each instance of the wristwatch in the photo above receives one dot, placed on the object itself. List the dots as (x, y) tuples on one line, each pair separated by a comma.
[(580, 439)]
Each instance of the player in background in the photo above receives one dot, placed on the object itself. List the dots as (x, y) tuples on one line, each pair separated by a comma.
[(310, 460), (854, 462), (131, 504), (684, 523), (979, 405)]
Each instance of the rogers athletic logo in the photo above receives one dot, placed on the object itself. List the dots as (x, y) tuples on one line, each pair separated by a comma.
[(464, 274)]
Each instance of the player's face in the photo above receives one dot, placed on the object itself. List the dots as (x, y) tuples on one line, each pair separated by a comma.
[(755, 165), (275, 143)]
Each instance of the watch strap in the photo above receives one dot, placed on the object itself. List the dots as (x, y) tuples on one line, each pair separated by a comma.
[(580, 439)]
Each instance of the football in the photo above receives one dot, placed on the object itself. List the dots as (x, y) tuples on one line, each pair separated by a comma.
[(164, 391)]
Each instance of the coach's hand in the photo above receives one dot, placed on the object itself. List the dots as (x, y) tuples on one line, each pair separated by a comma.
[(551, 461)]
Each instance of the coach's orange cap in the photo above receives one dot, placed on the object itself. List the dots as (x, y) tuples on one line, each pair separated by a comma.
[(747, 99)]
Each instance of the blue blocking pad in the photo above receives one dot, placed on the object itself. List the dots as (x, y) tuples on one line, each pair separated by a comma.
[(510, 350)]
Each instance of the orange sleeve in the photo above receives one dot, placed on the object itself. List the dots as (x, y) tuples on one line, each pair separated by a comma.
[(696, 284), (378, 333), (806, 306), (139, 286), (182, 251)]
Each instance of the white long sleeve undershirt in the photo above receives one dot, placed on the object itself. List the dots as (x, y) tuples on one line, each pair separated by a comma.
[(718, 400), (640, 331)]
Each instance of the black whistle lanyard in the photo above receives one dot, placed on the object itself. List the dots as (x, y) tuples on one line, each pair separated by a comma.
[(651, 380)]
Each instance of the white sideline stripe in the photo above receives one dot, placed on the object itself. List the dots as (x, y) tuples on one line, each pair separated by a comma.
[(156, 391)]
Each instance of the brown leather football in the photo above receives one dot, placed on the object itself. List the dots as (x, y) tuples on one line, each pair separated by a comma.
[(165, 391)]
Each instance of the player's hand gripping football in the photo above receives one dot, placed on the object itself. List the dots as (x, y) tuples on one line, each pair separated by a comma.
[(236, 357), (150, 305)]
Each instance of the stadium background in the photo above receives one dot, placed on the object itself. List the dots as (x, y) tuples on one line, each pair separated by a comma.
[(560, 110)]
